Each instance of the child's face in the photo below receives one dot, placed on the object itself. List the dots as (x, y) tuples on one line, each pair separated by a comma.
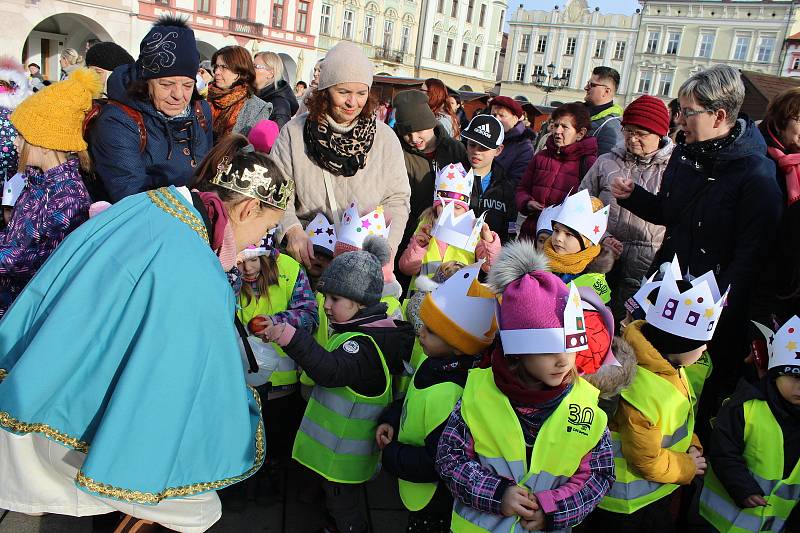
[(423, 140), (687, 358), (250, 268), (7, 213), (789, 387), (458, 210), (481, 157), (433, 345), (549, 368), (340, 309), (318, 264), (541, 237), (564, 242)]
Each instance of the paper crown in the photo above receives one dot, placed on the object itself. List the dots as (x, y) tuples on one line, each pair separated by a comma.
[(783, 345), (545, 221), (252, 252), (638, 304), (570, 338), (462, 311), (576, 212), (322, 233), (257, 183), (354, 229), (693, 314), (12, 188), (462, 231), (454, 183)]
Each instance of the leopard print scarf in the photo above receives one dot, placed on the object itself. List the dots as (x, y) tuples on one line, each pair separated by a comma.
[(341, 154)]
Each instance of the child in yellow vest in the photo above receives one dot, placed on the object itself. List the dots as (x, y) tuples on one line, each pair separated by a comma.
[(753, 480), (656, 449), (527, 447), (353, 379), (425, 253), (458, 324)]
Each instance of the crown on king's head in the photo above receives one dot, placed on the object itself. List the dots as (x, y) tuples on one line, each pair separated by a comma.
[(575, 338), (257, 183), (321, 232), (693, 314), (354, 229), (462, 231), (577, 213), (454, 183), (639, 303), (783, 345)]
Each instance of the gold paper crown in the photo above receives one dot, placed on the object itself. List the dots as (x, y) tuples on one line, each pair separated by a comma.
[(256, 183)]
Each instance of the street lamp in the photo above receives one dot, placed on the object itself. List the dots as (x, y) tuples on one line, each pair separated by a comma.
[(549, 82)]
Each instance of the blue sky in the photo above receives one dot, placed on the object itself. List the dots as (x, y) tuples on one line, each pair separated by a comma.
[(626, 7)]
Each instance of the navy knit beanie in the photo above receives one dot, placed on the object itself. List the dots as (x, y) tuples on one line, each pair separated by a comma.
[(168, 49)]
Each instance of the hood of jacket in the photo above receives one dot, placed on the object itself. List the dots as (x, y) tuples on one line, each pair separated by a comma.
[(646, 354), (283, 90), (572, 152), (117, 89), (660, 156), (611, 379), (518, 133)]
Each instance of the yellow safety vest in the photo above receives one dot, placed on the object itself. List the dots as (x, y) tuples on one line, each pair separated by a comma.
[(597, 282), (763, 453), (698, 373), (568, 434), (665, 407), (433, 260)]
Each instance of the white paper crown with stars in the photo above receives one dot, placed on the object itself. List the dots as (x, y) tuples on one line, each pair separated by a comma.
[(354, 229), (462, 231), (783, 346), (638, 304), (322, 233), (577, 213), (454, 183), (693, 314)]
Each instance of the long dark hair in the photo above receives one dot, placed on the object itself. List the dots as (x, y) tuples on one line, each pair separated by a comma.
[(238, 60), (437, 101)]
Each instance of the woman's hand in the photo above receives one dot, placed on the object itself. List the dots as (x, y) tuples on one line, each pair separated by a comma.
[(622, 188), (533, 205), (384, 435), (423, 238), (299, 245)]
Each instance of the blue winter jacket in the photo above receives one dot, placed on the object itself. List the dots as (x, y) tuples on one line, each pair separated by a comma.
[(175, 146)]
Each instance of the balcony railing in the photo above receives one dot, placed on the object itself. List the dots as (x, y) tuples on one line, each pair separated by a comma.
[(245, 27), (387, 54)]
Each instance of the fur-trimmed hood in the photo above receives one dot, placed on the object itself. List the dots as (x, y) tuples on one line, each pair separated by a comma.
[(611, 379), (13, 73)]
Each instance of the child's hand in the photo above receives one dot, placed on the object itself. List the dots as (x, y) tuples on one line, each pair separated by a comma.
[(699, 460), (273, 332), (754, 500), (486, 233), (533, 205), (621, 188), (424, 235), (258, 324), (384, 435), (516, 502), (614, 245), (537, 523)]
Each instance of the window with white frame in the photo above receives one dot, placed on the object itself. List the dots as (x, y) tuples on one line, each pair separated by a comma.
[(652, 41), (347, 24), (665, 84), (570, 49), (645, 81), (388, 34), (502, 19), (204, 6), (369, 29), (766, 45), (525, 43), (302, 17), (476, 56), (619, 50), (705, 44), (482, 17), (741, 48), (464, 50), (325, 19), (470, 10), (566, 74), (600, 49), (454, 9), (520, 72), (541, 44), (440, 6), (448, 51), (796, 63), (277, 14), (405, 38), (673, 43), (496, 62), (538, 70), (435, 47)]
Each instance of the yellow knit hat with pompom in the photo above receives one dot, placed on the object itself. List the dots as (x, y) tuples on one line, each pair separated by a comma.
[(53, 117)]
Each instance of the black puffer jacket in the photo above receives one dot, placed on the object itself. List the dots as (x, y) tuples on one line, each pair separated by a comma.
[(284, 102), (497, 201)]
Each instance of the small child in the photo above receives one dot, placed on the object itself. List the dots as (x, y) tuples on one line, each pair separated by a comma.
[(353, 379), (527, 447), (323, 237), (544, 226), (574, 250), (656, 449), (753, 481), (458, 323), (263, 134), (425, 253)]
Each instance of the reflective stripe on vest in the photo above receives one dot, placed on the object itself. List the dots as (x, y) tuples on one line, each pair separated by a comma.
[(423, 411), (280, 294), (763, 454), (568, 434), (433, 260), (337, 434), (597, 282), (673, 413), (698, 373)]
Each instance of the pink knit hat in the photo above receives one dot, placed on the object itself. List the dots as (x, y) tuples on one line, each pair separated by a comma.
[(262, 136)]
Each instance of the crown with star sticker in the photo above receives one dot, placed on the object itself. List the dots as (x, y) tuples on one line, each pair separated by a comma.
[(692, 314), (354, 229), (638, 304), (322, 234), (462, 231), (577, 213), (783, 346), (454, 183)]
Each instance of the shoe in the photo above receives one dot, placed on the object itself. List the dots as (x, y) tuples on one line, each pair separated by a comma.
[(131, 524)]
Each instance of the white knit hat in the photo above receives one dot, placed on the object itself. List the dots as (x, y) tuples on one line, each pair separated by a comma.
[(345, 63)]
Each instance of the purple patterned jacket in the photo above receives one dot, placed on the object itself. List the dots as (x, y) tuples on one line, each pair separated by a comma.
[(51, 206)]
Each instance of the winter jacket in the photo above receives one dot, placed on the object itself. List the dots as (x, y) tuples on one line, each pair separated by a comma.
[(175, 146), (551, 175), (497, 201), (381, 182), (8, 152), (361, 369), (717, 210), (641, 440), (52, 205), (606, 126), (253, 111), (284, 102), (517, 150), (640, 239)]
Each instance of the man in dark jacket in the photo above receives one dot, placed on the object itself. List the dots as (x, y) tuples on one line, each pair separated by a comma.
[(518, 139), (606, 115)]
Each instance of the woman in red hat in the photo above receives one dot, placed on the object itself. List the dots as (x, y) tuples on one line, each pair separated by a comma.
[(518, 139)]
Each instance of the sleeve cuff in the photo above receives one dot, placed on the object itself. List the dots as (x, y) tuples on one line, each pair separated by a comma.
[(286, 336), (546, 501)]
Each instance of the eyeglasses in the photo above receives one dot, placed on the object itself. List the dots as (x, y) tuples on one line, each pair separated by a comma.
[(264, 67), (592, 85), (638, 134), (220, 67), (685, 112)]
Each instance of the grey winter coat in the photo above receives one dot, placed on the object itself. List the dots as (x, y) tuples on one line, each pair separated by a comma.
[(254, 110), (640, 239)]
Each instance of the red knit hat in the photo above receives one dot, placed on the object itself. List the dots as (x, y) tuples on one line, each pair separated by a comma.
[(510, 104), (647, 112)]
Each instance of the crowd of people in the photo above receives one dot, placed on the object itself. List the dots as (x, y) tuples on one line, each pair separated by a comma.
[(205, 273)]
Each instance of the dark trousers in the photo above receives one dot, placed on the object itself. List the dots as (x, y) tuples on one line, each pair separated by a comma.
[(653, 518), (434, 517)]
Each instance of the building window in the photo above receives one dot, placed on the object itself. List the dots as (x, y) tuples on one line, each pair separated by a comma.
[(673, 43), (302, 17), (496, 62), (566, 74), (538, 70), (796, 63), (347, 24), (502, 19), (706, 47), (405, 38), (742, 47), (242, 9), (435, 47), (652, 42), (619, 51), (470, 10), (476, 57), (204, 6), (440, 6), (482, 17), (570, 50), (325, 19), (541, 44), (600, 49), (454, 9), (645, 81), (525, 44), (369, 29), (162, 2), (388, 33), (277, 13), (665, 84), (464, 50), (765, 47), (520, 72), (448, 51)]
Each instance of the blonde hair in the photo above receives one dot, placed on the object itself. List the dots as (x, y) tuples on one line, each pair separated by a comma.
[(84, 161), (272, 60), (72, 56)]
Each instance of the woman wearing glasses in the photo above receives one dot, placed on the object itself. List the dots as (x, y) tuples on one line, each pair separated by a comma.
[(234, 105), (720, 204), (273, 88)]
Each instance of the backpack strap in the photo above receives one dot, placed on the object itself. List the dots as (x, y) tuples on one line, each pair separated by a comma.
[(136, 116), (200, 115)]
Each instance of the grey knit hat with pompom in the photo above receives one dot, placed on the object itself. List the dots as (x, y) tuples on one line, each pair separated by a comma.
[(358, 275)]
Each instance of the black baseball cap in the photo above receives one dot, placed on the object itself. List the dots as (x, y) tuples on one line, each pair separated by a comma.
[(485, 130)]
